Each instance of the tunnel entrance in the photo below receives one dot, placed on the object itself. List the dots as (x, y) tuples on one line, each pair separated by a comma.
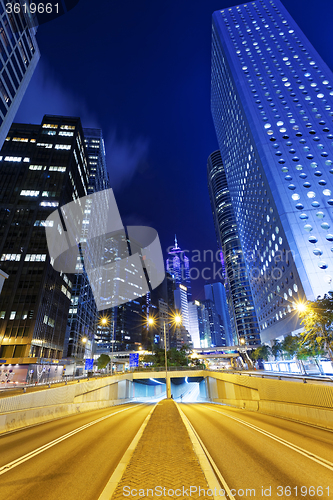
[(183, 389)]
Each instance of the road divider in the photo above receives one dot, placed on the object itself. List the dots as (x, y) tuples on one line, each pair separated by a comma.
[(120, 469)]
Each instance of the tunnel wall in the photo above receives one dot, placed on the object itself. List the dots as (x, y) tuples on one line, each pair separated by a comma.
[(49, 404), (304, 402), (147, 391)]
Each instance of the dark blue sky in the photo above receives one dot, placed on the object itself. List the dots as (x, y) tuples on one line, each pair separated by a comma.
[(140, 70)]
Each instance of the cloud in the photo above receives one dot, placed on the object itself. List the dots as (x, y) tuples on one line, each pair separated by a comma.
[(46, 94), (124, 157)]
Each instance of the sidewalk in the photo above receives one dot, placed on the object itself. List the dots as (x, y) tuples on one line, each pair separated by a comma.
[(164, 458)]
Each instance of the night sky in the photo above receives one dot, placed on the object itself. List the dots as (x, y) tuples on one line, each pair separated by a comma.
[(140, 71)]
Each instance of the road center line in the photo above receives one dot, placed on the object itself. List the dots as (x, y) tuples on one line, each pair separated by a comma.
[(37, 451), (307, 454)]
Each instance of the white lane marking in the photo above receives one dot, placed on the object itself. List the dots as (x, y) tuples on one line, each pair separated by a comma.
[(208, 457), (119, 471), (37, 451), (307, 454)]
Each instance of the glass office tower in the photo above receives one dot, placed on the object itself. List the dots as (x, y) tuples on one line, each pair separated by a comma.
[(243, 318), (83, 319), (272, 105), (42, 167), (216, 293), (178, 265), (19, 56)]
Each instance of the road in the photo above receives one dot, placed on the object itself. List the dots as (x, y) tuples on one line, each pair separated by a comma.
[(76, 467), (260, 454)]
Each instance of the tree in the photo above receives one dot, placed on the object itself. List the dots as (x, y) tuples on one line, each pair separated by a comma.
[(262, 352), (317, 320), (103, 361), (175, 357), (276, 349), (290, 345)]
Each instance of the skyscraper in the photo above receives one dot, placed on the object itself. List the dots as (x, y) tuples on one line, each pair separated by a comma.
[(41, 167), (83, 317), (181, 304), (243, 318), (217, 333), (216, 293), (178, 265), (272, 108), (199, 324), (19, 56)]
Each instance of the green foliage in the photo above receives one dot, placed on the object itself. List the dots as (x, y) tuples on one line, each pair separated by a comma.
[(290, 345), (103, 361), (262, 352), (317, 321), (175, 357), (277, 349)]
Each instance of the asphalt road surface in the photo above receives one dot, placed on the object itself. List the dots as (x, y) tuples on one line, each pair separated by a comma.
[(260, 456), (57, 461)]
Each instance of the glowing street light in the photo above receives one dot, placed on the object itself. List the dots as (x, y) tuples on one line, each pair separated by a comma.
[(105, 321), (177, 319), (84, 340), (301, 307)]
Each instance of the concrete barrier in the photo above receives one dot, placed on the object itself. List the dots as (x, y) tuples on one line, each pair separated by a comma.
[(41, 406), (307, 403)]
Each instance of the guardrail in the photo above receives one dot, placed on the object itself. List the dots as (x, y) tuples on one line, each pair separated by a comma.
[(170, 368), (279, 376)]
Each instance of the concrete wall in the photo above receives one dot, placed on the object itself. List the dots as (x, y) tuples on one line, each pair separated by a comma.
[(40, 406), (148, 391), (308, 403)]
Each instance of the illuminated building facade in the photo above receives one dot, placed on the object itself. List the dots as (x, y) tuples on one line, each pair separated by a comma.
[(217, 333), (199, 324), (19, 56), (216, 293), (40, 169), (243, 318), (83, 319), (272, 105), (178, 265)]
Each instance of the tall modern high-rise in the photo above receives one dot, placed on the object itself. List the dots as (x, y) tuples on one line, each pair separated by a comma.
[(178, 265), (199, 324), (243, 318), (272, 107), (41, 167), (217, 333), (216, 293), (19, 56), (83, 317)]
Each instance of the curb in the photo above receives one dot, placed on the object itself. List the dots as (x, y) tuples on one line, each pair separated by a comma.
[(118, 473), (212, 474)]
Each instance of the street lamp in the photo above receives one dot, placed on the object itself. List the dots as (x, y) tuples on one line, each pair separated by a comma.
[(301, 307), (176, 319), (242, 342), (105, 321)]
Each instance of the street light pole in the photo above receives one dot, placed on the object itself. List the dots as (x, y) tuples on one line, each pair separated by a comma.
[(113, 325), (167, 382)]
